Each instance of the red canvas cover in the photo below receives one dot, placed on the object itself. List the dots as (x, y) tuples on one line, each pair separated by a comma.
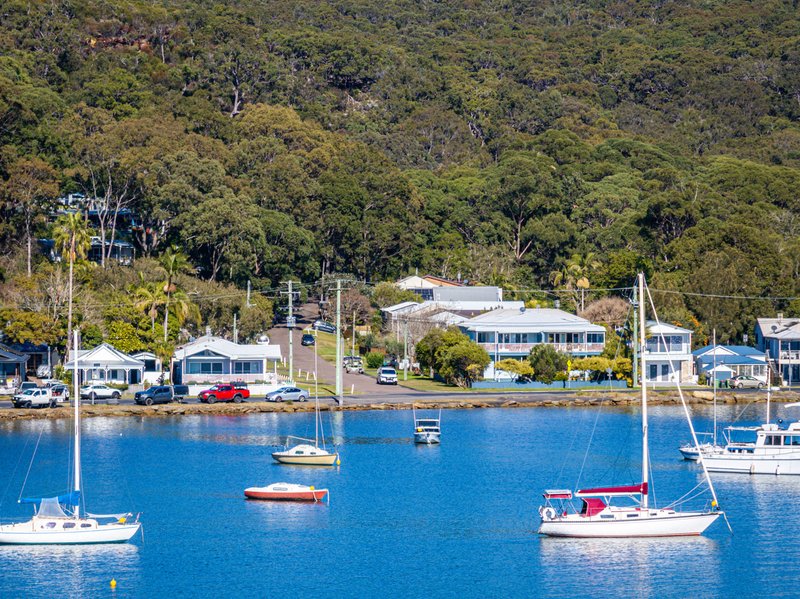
[(592, 506), (640, 489)]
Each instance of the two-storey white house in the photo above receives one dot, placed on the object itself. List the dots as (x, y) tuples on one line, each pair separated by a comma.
[(513, 333), (668, 353)]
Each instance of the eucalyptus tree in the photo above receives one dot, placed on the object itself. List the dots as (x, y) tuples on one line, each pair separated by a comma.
[(72, 236)]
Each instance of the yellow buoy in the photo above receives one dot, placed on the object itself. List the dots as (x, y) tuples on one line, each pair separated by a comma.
[(338, 461), (713, 504), (113, 584)]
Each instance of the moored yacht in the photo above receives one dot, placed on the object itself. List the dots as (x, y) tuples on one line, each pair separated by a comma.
[(427, 431), (775, 450)]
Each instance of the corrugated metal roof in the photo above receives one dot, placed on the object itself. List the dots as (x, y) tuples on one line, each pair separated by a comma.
[(532, 319)]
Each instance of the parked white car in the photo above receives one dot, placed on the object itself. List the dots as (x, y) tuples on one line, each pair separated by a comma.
[(34, 398), (94, 392), (387, 375)]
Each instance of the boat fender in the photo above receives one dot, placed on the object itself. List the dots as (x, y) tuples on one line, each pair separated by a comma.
[(548, 513)]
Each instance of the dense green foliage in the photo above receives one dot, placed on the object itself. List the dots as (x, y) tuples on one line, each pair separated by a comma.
[(502, 141), (451, 355), (548, 363)]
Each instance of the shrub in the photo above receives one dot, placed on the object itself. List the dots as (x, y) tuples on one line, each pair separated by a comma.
[(547, 362), (374, 359)]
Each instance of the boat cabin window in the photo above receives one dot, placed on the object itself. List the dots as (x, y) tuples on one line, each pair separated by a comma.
[(86, 525), (772, 440), (50, 525), (69, 525)]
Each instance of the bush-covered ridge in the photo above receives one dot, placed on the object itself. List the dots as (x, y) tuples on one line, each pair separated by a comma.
[(495, 140)]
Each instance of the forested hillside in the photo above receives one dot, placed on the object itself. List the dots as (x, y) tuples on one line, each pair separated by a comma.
[(514, 143)]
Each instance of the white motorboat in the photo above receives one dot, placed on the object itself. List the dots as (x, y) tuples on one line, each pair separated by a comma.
[(598, 518), (691, 451), (60, 520), (286, 492), (427, 431), (775, 450), (304, 453)]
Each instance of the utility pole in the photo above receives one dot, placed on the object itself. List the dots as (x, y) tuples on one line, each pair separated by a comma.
[(339, 340), (235, 332), (353, 351), (248, 293), (635, 341), (405, 352), (290, 325)]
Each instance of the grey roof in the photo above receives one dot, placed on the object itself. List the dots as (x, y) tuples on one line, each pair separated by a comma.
[(228, 349), (655, 326), (779, 328), (547, 320), (452, 294), (105, 356)]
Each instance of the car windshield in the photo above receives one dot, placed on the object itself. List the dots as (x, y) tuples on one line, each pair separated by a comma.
[(214, 388)]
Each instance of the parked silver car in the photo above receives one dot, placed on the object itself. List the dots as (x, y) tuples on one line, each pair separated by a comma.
[(287, 394), (97, 391), (743, 381)]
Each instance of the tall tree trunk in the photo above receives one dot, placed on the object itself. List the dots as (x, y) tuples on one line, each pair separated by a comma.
[(69, 310), (166, 316), (28, 233)]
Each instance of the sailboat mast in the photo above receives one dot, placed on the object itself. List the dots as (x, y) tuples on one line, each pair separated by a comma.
[(77, 419), (316, 400), (645, 449), (714, 381)]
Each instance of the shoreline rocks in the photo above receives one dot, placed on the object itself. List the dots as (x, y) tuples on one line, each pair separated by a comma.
[(615, 399)]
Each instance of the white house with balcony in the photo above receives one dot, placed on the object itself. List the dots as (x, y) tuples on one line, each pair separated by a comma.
[(779, 338), (210, 359), (513, 333), (668, 353)]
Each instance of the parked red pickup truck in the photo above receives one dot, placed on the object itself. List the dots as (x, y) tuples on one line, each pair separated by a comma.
[(234, 392)]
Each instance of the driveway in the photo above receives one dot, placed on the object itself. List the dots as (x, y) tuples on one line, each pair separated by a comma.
[(304, 359)]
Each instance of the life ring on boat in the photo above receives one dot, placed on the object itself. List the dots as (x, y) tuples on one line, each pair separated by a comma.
[(548, 513)]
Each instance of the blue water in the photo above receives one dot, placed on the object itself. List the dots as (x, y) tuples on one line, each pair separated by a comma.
[(456, 520)]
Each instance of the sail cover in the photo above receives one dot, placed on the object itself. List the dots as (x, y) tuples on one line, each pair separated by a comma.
[(71, 498)]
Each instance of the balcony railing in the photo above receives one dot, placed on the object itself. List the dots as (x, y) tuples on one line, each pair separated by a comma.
[(267, 377), (525, 348), (790, 356)]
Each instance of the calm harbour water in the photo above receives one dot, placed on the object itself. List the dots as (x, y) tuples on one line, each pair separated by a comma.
[(457, 520)]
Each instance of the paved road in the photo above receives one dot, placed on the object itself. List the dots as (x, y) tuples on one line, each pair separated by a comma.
[(304, 359)]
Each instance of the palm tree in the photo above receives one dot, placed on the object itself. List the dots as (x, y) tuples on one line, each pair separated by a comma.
[(149, 297), (575, 273), (73, 238), (184, 308), (173, 262)]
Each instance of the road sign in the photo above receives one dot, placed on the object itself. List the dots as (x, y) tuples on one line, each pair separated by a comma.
[(291, 321)]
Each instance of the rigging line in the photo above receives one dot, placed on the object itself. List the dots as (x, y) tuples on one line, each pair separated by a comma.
[(683, 401), (588, 446), (30, 465), (722, 296), (14, 472)]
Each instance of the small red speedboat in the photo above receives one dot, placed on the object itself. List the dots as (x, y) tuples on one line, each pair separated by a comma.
[(286, 492)]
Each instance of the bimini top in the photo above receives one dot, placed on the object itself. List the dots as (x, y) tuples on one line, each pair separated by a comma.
[(623, 491), (557, 494)]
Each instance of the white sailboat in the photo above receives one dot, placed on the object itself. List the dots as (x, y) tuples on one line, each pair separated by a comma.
[(59, 520), (709, 446), (598, 518), (427, 431), (304, 453)]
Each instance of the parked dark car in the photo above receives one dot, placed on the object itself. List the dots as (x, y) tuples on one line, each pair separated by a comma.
[(323, 326), (308, 339), (155, 394)]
